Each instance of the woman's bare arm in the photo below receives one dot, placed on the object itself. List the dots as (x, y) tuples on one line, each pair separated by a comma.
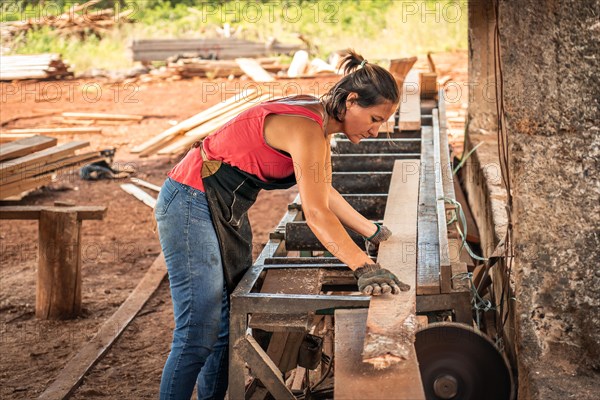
[(309, 149), (348, 216)]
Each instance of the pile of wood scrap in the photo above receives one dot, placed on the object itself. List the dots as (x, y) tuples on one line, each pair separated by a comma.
[(148, 50), (30, 163), (181, 136), (185, 68), (79, 21), (36, 66), (302, 67)]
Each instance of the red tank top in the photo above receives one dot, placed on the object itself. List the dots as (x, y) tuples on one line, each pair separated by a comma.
[(241, 143)]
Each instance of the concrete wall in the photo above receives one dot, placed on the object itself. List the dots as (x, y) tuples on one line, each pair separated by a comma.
[(550, 59), (550, 53)]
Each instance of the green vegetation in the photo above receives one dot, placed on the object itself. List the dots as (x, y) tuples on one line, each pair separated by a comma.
[(379, 29)]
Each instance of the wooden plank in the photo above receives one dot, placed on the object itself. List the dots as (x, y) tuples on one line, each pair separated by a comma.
[(447, 176), (442, 227), (34, 212), (11, 137), (391, 321), (41, 157), (60, 165), (26, 146), (428, 260), (145, 184), (19, 187), (254, 70), (111, 117), (53, 131), (160, 140), (262, 366), (139, 194), (428, 84), (71, 376), (202, 131), (400, 68), (410, 104), (355, 379)]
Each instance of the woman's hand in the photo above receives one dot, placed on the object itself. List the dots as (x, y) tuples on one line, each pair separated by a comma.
[(381, 235), (374, 280)]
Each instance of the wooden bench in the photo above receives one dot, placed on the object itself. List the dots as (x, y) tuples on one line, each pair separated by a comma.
[(58, 292)]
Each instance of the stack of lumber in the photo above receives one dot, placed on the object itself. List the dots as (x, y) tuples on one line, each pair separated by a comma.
[(147, 50), (181, 136), (196, 67), (30, 163), (79, 20), (37, 66)]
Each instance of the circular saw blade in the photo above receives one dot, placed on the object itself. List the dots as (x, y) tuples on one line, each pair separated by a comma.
[(456, 362)]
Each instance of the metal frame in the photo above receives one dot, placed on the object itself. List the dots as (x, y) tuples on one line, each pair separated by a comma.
[(246, 299)]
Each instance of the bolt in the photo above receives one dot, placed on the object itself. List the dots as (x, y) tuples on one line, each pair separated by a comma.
[(445, 387)]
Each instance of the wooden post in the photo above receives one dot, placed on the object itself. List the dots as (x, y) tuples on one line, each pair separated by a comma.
[(58, 294)]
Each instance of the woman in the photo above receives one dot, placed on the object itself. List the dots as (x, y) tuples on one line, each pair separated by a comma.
[(202, 211)]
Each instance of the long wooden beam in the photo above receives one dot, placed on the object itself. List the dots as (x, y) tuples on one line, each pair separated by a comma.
[(391, 322), (357, 380)]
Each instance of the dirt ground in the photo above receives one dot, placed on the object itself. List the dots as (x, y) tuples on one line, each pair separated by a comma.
[(118, 250)]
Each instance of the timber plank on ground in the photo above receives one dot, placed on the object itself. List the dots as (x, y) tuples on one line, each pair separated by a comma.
[(71, 376)]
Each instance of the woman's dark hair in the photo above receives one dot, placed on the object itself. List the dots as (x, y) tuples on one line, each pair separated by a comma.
[(373, 84)]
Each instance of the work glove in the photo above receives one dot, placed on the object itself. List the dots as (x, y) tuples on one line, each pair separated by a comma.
[(374, 280), (372, 242)]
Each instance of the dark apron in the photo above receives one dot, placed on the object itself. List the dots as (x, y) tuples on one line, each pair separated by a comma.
[(230, 193)]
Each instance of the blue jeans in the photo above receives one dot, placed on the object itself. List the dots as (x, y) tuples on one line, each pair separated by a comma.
[(199, 351)]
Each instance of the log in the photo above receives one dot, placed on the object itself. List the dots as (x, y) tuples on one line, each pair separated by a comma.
[(391, 322)]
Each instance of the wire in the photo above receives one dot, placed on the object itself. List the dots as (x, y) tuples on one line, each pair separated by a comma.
[(504, 154)]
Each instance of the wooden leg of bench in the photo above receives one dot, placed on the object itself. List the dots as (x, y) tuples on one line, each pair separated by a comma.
[(58, 294)]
